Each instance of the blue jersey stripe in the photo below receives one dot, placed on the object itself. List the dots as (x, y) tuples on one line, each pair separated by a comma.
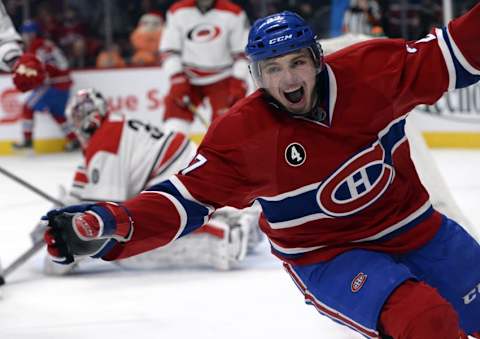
[(195, 211), (464, 78)]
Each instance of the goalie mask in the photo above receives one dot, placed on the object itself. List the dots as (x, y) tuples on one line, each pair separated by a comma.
[(85, 112)]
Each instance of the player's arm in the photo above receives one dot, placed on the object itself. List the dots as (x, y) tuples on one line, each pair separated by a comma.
[(446, 59), (171, 46), (155, 217), (10, 42), (238, 40)]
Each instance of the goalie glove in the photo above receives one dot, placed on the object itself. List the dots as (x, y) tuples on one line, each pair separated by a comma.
[(85, 230), (28, 72)]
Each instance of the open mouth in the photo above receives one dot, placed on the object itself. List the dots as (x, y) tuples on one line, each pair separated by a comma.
[(295, 96)]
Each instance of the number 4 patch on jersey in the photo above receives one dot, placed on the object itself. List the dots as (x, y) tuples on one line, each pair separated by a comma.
[(199, 160), (295, 154)]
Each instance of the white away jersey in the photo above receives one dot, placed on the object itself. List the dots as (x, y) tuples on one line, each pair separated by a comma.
[(125, 156), (203, 45)]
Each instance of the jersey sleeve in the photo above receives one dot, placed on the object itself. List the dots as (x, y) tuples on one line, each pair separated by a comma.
[(10, 41), (447, 59), (185, 202), (238, 41), (239, 33), (408, 73), (171, 45)]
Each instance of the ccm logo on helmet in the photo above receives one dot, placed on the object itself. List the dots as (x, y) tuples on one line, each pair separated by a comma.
[(472, 295), (280, 39)]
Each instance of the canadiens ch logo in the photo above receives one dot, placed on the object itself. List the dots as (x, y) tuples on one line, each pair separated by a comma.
[(358, 282), (357, 184), (295, 154)]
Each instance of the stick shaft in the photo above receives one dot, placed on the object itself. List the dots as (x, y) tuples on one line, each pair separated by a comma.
[(30, 187)]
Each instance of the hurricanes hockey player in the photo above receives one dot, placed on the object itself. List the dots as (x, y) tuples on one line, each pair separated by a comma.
[(202, 53), (123, 156), (322, 147)]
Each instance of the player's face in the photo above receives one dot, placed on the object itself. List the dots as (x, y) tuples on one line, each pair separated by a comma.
[(290, 79)]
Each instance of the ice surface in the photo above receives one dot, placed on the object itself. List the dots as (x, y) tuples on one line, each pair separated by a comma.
[(102, 301)]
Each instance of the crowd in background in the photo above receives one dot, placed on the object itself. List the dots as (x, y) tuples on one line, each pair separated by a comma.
[(78, 26)]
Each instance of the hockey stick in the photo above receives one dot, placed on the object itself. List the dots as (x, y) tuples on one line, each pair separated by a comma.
[(30, 187), (37, 245), (187, 102)]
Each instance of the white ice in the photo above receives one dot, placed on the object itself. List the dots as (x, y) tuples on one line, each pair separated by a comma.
[(102, 301)]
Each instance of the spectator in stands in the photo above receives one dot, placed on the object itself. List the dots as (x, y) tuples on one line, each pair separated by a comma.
[(145, 39), (71, 37), (110, 58), (363, 17)]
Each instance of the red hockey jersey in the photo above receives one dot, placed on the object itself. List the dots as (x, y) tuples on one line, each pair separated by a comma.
[(56, 64), (329, 186)]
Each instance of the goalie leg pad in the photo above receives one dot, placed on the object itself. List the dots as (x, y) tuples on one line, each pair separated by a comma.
[(218, 246)]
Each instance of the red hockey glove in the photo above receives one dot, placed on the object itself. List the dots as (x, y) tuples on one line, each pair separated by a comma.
[(28, 72), (85, 230), (237, 90), (179, 89)]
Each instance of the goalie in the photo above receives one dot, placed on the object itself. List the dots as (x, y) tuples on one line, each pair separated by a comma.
[(122, 157)]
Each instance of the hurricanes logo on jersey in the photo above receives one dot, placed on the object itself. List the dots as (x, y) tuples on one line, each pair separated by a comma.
[(295, 154), (203, 33), (357, 184)]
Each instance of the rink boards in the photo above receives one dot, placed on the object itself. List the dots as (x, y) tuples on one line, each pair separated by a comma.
[(454, 121)]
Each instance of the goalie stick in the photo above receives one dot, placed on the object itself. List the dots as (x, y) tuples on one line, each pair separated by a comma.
[(38, 244)]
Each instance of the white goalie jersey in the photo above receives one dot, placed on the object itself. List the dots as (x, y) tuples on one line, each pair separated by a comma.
[(126, 156)]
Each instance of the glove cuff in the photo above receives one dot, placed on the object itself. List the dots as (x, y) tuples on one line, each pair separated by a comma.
[(117, 222)]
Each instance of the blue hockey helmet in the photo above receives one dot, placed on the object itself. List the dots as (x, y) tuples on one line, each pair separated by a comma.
[(30, 26), (280, 34)]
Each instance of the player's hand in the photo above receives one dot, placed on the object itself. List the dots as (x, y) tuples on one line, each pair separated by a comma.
[(85, 230), (28, 72), (237, 90), (179, 88)]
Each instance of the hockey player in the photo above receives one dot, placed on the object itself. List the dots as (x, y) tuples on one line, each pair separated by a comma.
[(322, 147), (202, 53), (122, 156), (44, 69)]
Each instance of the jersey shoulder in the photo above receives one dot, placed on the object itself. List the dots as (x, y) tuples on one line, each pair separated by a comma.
[(368, 52), (107, 139), (228, 6), (250, 116), (181, 5)]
